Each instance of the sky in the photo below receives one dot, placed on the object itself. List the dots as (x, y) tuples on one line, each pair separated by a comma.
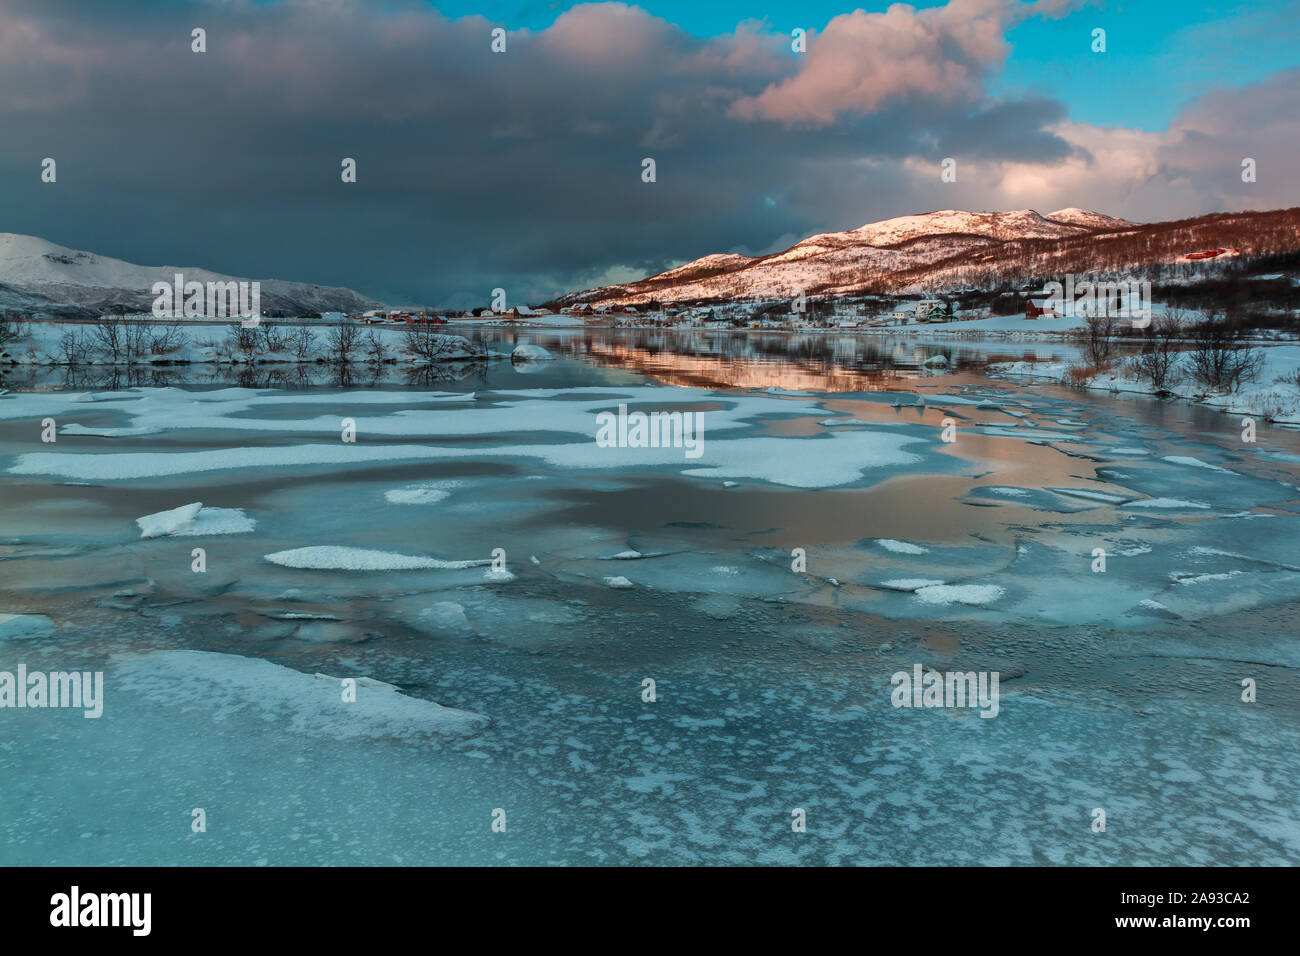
[(525, 169)]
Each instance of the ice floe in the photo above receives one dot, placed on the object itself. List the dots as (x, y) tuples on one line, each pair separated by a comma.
[(236, 688), (15, 626), (530, 353), (900, 547), (1173, 504), (973, 594), (337, 558), (193, 520)]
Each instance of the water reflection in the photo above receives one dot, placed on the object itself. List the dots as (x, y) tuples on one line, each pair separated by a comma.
[(821, 363), (279, 376), (704, 359)]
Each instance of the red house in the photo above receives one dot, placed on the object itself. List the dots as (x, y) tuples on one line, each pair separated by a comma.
[(1037, 310)]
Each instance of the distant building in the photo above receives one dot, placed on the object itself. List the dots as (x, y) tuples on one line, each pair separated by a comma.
[(1040, 309)]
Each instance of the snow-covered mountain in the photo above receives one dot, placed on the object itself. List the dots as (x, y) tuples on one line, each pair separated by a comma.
[(40, 278), (843, 262)]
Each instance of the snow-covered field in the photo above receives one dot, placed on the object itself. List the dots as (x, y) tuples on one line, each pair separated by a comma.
[(1274, 396), (500, 587)]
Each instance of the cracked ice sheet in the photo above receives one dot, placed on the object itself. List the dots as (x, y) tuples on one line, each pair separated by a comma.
[(300, 703), (1052, 577), (839, 458), (157, 409), (163, 410), (1197, 781)]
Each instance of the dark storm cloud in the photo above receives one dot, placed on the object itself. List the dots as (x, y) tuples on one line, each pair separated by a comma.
[(475, 169)]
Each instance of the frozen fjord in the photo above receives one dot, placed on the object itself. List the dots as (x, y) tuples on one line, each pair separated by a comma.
[(1120, 689)]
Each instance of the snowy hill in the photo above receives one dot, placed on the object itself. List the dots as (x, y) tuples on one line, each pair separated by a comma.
[(873, 255), (1091, 220), (40, 277)]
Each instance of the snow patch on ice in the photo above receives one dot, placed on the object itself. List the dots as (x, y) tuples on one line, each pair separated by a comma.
[(1196, 463), (231, 687), (192, 520), (531, 353), (1171, 503), (973, 594), (427, 494), (901, 547), (13, 626), (911, 584), (1182, 577), (336, 558)]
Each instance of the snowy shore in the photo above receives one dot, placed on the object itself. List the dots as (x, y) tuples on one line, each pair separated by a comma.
[(41, 343), (1274, 397)]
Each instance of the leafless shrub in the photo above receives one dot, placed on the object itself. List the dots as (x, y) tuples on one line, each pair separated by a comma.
[(107, 336), (1080, 374), (1097, 339), (431, 346), (1159, 362), (1220, 358), (121, 341), (73, 349), (165, 339), (12, 328), (272, 337), (300, 343), (375, 347), (242, 342), (342, 340)]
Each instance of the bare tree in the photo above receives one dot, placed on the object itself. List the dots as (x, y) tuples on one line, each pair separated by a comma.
[(1097, 338), (121, 340), (1159, 361), (137, 339), (342, 340), (301, 341), (107, 336), (72, 349), (375, 346), (273, 339), (243, 343), (165, 339), (1220, 358), (424, 343), (12, 328)]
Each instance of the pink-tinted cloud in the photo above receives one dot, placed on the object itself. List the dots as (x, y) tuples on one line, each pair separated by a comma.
[(864, 60)]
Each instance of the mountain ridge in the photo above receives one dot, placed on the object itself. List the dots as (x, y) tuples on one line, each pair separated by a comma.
[(38, 276), (948, 249)]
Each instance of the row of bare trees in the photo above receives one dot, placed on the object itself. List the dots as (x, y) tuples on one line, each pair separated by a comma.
[(344, 343), (117, 340), (12, 328), (1213, 351)]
